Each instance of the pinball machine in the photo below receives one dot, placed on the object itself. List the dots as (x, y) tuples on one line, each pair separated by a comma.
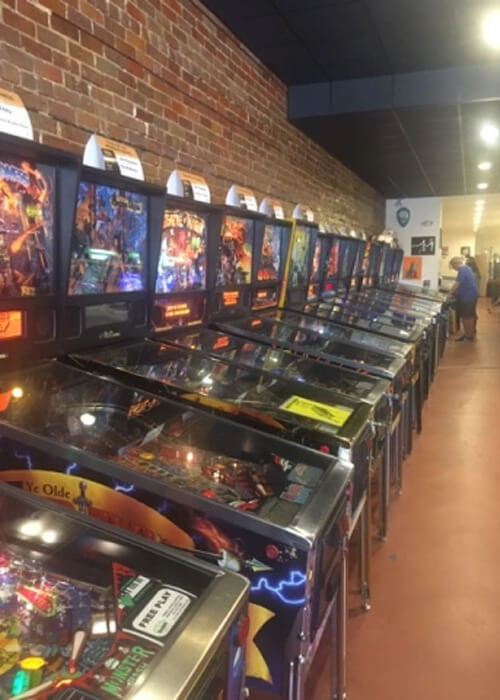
[(174, 323), (170, 472), (394, 308), (37, 187), (88, 611), (436, 301), (345, 260), (327, 421), (288, 330)]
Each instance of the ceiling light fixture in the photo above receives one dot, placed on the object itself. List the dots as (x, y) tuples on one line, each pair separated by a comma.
[(484, 165), (489, 133), (491, 29), (482, 186)]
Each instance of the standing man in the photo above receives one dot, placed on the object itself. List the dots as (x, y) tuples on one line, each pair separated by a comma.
[(467, 293)]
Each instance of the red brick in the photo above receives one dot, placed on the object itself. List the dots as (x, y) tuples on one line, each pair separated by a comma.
[(28, 81), (57, 142), (103, 97), (78, 19), (72, 133), (93, 76), (10, 73), (91, 43), (87, 121), (20, 59), (80, 54), (56, 6), (30, 10), (104, 35), (106, 67), (61, 111), (134, 68), (90, 11), (65, 28), (9, 36), (36, 48), (49, 72), (51, 38), (135, 41), (45, 87), (12, 19), (144, 116), (135, 13)]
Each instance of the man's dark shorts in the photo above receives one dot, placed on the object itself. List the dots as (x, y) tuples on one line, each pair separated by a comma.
[(467, 309)]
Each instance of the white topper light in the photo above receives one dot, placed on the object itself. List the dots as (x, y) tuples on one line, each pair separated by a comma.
[(489, 133), (484, 165), (491, 29), (482, 186)]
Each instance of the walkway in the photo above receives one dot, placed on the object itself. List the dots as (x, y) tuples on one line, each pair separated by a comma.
[(434, 630)]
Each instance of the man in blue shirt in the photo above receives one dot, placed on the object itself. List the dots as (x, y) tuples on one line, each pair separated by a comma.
[(467, 293)]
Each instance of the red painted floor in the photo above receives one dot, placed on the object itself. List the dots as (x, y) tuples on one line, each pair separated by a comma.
[(434, 629)]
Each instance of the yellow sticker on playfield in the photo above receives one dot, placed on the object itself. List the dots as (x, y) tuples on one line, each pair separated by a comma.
[(335, 415)]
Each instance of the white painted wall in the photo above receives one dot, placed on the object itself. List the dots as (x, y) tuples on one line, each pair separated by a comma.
[(425, 220), (455, 239)]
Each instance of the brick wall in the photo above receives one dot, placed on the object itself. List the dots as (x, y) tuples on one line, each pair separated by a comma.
[(168, 78)]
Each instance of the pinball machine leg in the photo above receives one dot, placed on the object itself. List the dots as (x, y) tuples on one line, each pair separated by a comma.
[(427, 382), (365, 553), (339, 632), (384, 486), (417, 404), (403, 435), (399, 459), (409, 421)]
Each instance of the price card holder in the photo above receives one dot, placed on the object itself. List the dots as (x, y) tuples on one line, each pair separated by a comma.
[(303, 212), (241, 197), (14, 119), (272, 208), (182, 183), (113, 156)]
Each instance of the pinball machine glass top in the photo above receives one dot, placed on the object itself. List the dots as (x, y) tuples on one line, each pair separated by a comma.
[(108, 246), (234, 259), (27, 212), (182, 264)]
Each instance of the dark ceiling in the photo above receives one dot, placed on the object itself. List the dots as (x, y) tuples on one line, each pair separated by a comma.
[(396, 89)]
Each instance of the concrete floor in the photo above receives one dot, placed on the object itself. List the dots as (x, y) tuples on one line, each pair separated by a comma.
[(434, 629)]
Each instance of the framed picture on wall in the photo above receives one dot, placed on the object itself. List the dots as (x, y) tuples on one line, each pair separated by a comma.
[(423, 245), (465, 251), (412, 268)]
